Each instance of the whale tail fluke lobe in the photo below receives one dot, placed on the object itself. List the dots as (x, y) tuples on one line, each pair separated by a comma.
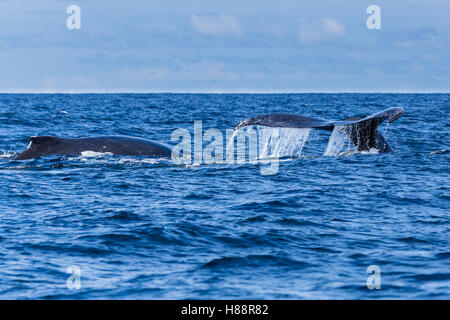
[(362, 131), (286, 120)]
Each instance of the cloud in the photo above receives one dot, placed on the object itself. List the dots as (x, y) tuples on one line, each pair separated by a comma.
[(332, 26), (206, 70), (197, 71), (201, 45), (424, 37), (224, 24), (318, 31)]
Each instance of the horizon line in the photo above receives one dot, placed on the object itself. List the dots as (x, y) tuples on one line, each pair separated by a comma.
[(227, 92)]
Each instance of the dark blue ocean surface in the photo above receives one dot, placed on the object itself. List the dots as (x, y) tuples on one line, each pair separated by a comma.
[(145, 228)]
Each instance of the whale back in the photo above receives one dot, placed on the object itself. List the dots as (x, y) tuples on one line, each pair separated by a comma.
[(118, 145), (40, 146)]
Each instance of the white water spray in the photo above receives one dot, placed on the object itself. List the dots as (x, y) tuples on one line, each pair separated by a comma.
[(337, 141), (271, 142), (282, 142)]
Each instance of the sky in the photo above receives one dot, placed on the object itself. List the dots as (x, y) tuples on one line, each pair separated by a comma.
[(225, 46)]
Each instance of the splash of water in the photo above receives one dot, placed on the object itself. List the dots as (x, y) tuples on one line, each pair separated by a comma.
[(267, 142), (337, 141), (6, 155), (282, 142), (94, 154)]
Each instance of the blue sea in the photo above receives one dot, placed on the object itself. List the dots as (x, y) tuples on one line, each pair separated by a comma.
[(123, 227)]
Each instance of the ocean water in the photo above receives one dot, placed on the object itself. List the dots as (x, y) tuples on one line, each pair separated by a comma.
[(142, 228)]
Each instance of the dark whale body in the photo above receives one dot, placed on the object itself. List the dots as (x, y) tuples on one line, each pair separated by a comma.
[(117, 145), (362, 131)]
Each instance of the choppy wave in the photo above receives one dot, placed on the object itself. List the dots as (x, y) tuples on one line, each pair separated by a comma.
[(145, 228)]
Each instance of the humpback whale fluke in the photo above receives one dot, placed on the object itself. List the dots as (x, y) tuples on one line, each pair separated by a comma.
[(362, 131), (117, 145)]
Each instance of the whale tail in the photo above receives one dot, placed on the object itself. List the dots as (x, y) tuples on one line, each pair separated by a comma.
[(362, 131)]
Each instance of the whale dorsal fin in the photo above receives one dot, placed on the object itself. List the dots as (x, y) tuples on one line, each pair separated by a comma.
[(43, 139)]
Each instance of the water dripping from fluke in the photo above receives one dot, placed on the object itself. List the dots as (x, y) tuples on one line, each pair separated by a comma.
[(337, 141), (261, 143)]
